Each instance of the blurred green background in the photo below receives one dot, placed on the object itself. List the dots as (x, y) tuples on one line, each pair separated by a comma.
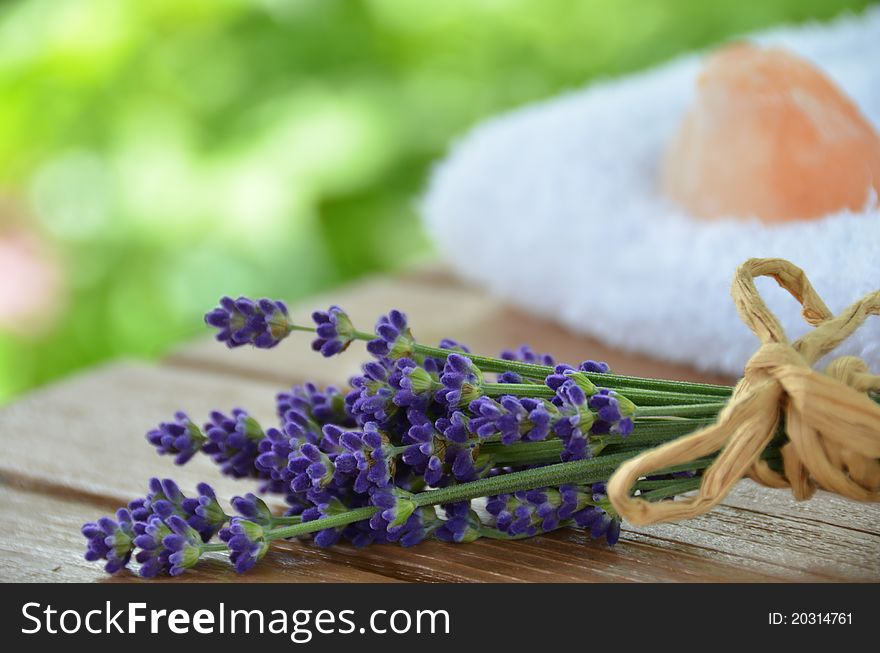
[(155, 154)]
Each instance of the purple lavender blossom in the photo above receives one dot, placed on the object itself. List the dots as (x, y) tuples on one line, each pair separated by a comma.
[(448, 343), (395, 340), (152, 555), (418, 527), (530, 512), (515, 418), (211, 514), (246, 542), (165, 499), (180, 438), (461, 525), (572, 498), (597, 517), (425, 450), (334, 330), (301, 428), (365, 456), (461, 381), (274, 456), (523, 354), (564, 373), (599, 523), (183, 544), (464, 463), (455, 428), (514, 514), (560, 375), (398, 519), (573, 426), (327, 504), (253, 508), (322, 406), (415, 384), (110, 540), (331, 440), (279, 448), (613, 413), (546, 502), (371, 396), (262, 323), (395, 507), (234, 442), (311, 468)]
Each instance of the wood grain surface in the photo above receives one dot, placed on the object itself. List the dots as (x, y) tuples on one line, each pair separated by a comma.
[(75, 450)]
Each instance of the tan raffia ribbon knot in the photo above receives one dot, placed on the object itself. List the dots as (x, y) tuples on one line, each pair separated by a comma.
[(832, 426)]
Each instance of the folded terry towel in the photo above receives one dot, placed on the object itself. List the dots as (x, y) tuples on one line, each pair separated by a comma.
[(555, 207)]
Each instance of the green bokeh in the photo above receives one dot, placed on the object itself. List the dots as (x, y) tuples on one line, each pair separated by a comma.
[(171, 151)]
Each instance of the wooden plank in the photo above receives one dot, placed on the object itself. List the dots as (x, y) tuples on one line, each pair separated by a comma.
[(565, 556), (41, 541), (82, 436), (436, 311), (86, 433), (802, 550), (823, 508)]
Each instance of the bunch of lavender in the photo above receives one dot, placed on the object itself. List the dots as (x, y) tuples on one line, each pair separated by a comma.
[(422, 444)]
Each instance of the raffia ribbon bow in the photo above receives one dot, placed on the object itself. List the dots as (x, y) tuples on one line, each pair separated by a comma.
[(833, 427)]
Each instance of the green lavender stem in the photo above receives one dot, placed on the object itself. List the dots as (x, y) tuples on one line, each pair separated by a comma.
[(698, 410), (215, 546), (548, 451), (333, 521), (580, 471), (530, 370), (605, 379), (639, 396)]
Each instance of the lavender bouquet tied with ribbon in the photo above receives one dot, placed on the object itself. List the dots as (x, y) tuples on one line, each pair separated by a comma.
[(427, 442)]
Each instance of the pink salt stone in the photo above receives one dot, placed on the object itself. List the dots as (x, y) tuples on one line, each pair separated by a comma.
[(770, 136)]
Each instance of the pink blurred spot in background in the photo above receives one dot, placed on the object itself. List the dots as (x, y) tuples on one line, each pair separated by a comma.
[(30, 283)]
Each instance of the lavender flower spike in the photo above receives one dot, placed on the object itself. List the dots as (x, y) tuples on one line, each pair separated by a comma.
[(461, 381), (395, 340), (246, 542), (395, 507), (573, 427), (253, 508), (311, 468), (209, 513), (233, 442), (321, 406), (262, 323), (599, 518), (365, 456), (524, 354), (110, 540), (425, 450), (513, 417), (334, 330), (152, 556), (184, 545), (180, 438), (462, 523), (614, 413)]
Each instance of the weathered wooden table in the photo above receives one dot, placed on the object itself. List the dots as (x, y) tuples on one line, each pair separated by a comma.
[(76, 450)]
